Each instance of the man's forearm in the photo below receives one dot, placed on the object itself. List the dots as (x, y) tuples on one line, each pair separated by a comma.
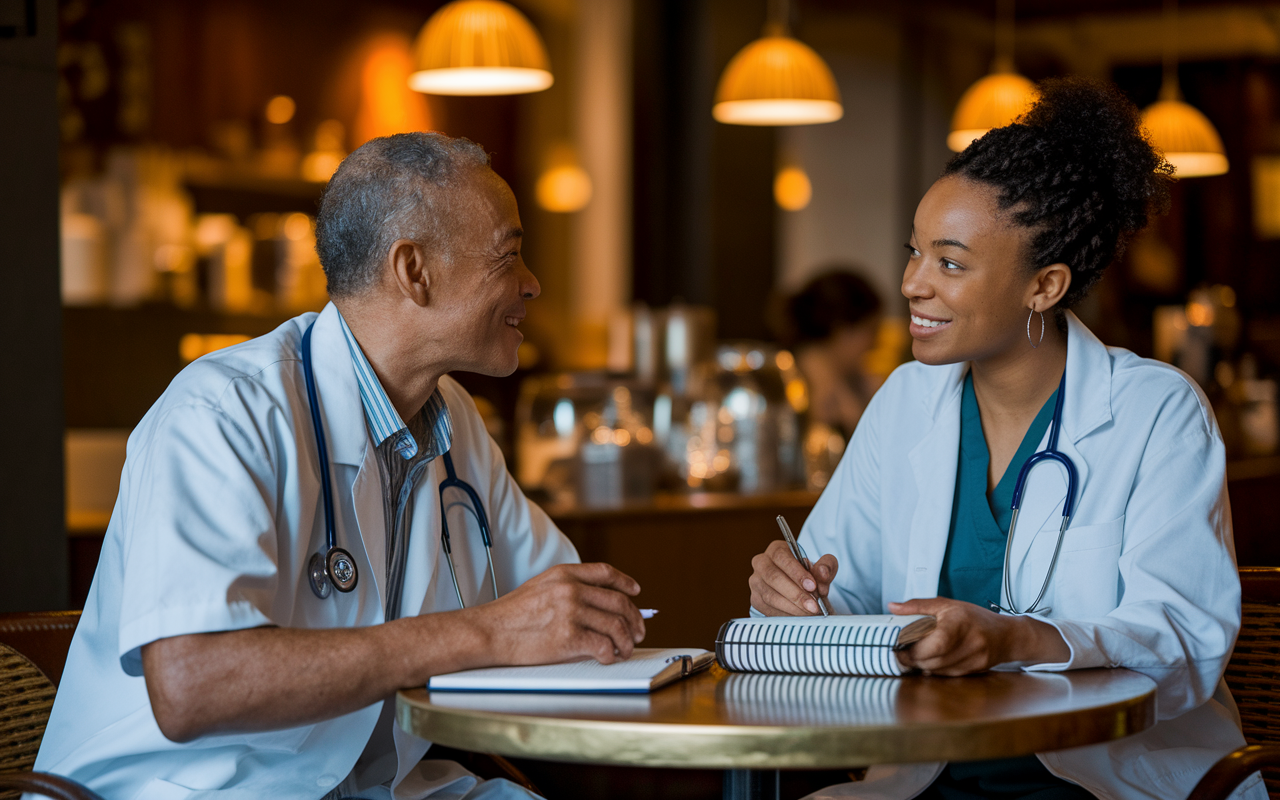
[(274, 678)]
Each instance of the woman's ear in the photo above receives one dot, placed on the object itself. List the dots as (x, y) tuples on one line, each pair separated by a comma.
[(1048, 287), (409, 271)]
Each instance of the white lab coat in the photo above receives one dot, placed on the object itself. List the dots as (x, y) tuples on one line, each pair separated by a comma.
[(1147, 576), (218, 515)]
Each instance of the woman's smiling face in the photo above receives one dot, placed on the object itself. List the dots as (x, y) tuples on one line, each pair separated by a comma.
[(966, 283)]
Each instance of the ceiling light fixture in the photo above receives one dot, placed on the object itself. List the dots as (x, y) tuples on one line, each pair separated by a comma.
[(1188, 139), (997, 99), (479, 47), (777, 80)]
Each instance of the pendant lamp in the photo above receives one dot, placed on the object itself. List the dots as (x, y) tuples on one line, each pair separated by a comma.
[(777, 80), (1188, 139), (999, 98), (479, 47)]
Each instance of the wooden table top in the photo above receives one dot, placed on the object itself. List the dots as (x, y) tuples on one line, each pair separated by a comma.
[(724, 720)]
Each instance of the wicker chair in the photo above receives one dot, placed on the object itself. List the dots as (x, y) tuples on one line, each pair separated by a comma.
[(33, 650), (1254, 678)]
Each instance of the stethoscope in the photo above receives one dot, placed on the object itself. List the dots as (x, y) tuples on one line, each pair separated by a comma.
[(1050, 453), (335, 568)]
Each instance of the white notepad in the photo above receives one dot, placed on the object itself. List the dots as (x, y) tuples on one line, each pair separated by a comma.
[(646, 670), (835, 645)]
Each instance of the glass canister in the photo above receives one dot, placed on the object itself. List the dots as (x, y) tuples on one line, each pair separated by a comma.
[(737, 427), (585, 438)]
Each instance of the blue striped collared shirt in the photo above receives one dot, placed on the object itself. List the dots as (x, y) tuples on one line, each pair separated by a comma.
[(384, 421)]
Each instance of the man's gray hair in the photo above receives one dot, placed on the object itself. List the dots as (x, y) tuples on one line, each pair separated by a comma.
[(386, 190)]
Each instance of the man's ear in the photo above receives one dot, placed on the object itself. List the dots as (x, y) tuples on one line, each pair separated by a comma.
[(410, 272), (1049, 287)]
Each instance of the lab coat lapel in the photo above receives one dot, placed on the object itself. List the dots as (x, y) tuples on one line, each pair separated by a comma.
[(350, 449), (934, 463), (1085, 408)]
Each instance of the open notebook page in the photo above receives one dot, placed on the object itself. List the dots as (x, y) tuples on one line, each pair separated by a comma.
[(647, 669)]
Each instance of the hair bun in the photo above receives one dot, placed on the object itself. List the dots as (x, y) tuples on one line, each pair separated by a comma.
[(1077, 167)]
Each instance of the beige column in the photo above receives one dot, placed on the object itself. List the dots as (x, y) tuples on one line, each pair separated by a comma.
[(601, 246)]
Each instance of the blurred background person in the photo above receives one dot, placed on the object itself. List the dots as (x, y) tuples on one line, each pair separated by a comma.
[(831, 325)]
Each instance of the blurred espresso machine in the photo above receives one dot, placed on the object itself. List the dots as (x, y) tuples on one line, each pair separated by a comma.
[(685, 414)]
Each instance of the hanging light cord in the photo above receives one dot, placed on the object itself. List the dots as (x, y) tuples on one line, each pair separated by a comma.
[(778, 19), (1004, 36), (1169, 86)]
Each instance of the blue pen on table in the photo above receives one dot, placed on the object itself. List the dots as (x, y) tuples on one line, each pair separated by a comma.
[(798, 552)]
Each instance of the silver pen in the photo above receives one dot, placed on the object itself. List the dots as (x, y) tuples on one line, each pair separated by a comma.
[(798, 552)]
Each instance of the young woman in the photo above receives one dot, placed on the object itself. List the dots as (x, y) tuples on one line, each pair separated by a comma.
[(916, 519)]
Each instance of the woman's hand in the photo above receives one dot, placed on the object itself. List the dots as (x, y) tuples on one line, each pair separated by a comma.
[(782, 587), (970, 638)]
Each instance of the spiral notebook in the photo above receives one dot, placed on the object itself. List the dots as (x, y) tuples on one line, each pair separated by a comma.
[(836, 645)]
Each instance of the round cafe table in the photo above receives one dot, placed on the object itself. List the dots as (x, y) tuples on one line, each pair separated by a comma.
[(748, 723)]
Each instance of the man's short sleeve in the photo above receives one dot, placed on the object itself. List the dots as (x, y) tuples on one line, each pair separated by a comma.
[(195, 524)]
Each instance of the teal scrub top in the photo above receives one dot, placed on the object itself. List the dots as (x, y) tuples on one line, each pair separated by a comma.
[(973, 567), (973, 571)]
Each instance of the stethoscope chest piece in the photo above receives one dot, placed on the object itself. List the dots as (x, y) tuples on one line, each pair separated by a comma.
[(342, 569), (319, 575)]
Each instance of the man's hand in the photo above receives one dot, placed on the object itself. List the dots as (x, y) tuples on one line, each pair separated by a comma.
[(970, 638), (781, 586), (569, 611), (271, 678)]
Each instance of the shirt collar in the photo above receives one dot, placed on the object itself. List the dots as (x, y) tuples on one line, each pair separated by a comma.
[(384, 421)]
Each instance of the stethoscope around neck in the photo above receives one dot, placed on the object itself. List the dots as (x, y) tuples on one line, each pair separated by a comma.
[(335, 568), (1050, 453)]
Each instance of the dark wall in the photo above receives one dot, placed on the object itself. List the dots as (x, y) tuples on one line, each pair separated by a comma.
[(704, 216), (32, 532)]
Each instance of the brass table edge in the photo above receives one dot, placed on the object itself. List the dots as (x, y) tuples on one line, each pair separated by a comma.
[(722, 746)]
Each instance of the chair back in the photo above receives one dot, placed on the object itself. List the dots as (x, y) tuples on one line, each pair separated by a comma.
[(26, 698), (1253, 673), (44, 637), (33, 651)]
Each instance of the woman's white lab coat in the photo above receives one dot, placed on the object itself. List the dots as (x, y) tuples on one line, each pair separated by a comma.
[(218, 515), (1146, 579)]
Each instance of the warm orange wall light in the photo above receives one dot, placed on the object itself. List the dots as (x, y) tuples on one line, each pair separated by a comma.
[(387, 105)]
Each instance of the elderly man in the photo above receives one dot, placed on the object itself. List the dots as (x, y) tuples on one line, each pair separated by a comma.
[(224, 652)]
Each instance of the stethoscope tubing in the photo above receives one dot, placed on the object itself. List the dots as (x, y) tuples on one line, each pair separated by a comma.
[(452, 481), (322, 569), (322, 448), (1050, 453)]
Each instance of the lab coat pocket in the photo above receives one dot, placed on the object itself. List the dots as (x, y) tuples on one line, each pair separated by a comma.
[(1086, 581)]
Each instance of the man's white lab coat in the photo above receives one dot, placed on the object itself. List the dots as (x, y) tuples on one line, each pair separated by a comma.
[(218, 515), (1146, 579)]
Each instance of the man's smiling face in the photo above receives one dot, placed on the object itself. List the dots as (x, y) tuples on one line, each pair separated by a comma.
[(480, 281)]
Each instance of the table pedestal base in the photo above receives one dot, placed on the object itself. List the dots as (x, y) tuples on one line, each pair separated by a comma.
[(752, 784)]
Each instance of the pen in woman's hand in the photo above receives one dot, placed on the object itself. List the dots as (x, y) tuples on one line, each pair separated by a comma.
[(798, 552)]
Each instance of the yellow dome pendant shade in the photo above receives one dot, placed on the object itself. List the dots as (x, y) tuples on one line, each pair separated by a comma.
[(479, 47), (777, 80), (992, 102), (1188, 139)]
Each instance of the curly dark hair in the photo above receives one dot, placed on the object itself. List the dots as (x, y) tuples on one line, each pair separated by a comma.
[(1079, 169)]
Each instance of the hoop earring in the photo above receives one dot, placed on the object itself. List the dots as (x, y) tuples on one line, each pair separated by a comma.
[(1034, 345)]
